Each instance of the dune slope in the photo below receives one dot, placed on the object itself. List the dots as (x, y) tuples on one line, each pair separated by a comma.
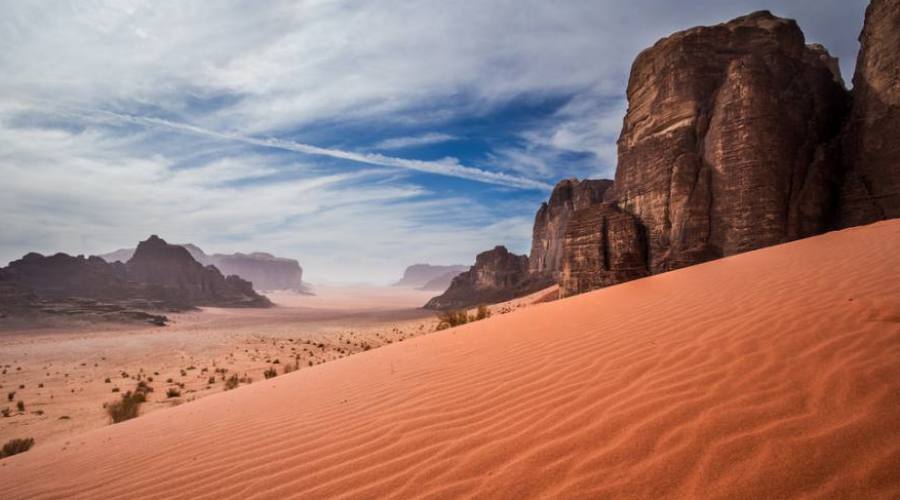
[(770, 374)]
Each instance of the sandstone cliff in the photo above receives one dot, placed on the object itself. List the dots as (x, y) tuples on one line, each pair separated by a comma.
[(158, 276), (871, 188), (497, 275), (729, 142), (553, 217), (602, 246), (180, 278), (264, 270)]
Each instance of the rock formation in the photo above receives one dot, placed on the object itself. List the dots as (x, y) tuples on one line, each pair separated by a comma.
[(179, 278), (729, 142), (552, 218), (602, 246), (264, 270), (871, 187), (497, 275), (158, 277), (420, 276), (737, 136)]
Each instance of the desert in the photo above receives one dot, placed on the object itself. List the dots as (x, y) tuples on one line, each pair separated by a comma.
[(450, 249), (660, 387)]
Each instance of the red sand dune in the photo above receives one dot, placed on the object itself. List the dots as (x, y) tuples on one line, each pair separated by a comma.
[(770, 374)]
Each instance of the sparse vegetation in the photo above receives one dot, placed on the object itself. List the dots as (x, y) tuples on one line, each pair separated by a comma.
[(449, 319), (126, 408), (269, 373), (16, 446), (172, 392), (232, 382), (21, 406)]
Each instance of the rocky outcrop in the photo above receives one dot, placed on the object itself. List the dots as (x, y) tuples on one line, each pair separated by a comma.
[(730, 140), (497, 275), (871, 187), (553, 217), (158, 277), (602, 246), (264, 270), (173, 272), (429, 277)]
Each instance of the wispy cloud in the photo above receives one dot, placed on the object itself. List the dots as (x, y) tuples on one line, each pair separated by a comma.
[(414, 141), (446, 166)]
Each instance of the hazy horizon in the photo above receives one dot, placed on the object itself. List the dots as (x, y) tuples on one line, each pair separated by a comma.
[(358, 138)]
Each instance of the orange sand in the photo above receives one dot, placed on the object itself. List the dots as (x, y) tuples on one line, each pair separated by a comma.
[(767, 375)]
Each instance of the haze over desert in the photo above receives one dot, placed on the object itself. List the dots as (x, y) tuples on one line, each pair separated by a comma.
[(321, 250)]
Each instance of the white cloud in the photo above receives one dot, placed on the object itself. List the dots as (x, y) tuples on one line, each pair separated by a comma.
[(414, 141)]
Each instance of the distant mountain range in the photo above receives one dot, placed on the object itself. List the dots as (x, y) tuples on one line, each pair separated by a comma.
[(264, 270), (429, 277), (158, 277)]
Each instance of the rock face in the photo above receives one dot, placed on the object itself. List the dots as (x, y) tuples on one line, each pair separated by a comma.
[(730, 140), (178, 277), (871, 188), (497, 275), (264, 270), (553, 217), (602, 246), (158, 276), (429, 277)]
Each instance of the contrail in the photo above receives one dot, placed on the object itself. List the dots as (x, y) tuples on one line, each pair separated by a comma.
[(447, 166)]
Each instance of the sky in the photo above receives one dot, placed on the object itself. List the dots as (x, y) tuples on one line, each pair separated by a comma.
[(358, 137)]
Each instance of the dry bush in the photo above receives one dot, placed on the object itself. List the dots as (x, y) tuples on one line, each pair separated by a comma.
[(449, 319), (270, 373), (232, 382), (126, 408), (16, 446)]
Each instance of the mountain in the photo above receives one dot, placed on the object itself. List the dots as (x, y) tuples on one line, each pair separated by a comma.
[(497, 275), (737, 136), (264, 270), (424, 275), (158, 277), (442, 282)]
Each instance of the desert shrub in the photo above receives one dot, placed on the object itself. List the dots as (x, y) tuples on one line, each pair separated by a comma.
[(270, 373), (288, 368), (172, 392), (21, 405), (232, 382), (449, 319), (126, 408), (211, 381), (16, 446), (5, 412), (107, 380), (10, 395), (115, 389), (482, 313)]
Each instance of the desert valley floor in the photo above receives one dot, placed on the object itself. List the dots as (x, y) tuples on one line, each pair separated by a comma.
[(770, 374)]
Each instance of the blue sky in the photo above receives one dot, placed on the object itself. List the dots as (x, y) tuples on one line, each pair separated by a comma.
[(356, 137)]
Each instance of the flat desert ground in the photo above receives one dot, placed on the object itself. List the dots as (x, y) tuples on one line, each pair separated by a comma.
[(771, 374)]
